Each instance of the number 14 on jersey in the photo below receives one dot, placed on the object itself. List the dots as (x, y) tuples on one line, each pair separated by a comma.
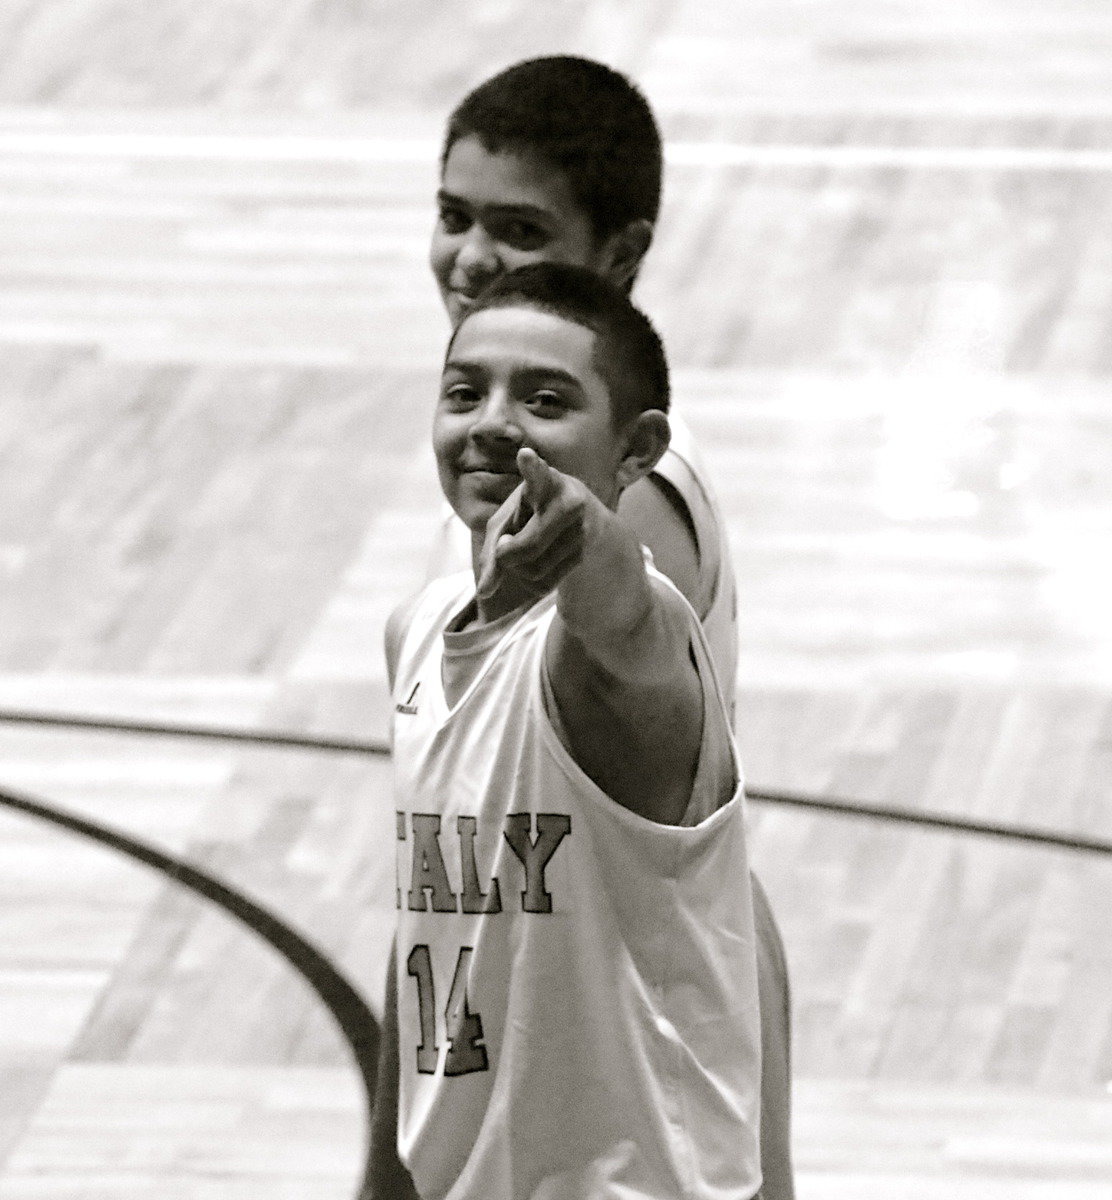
[(464, 1028)]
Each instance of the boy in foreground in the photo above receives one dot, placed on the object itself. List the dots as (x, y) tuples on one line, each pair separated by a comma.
[(559, 159), (576, 988)]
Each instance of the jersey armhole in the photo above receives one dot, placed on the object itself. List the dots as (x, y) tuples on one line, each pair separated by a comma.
[(716, 782), (683, 487), (676, 502), (655, 509)]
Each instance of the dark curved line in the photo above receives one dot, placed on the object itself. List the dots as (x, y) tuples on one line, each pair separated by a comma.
[(215, 733), (934, 820), (851, 808), (355, 1019)]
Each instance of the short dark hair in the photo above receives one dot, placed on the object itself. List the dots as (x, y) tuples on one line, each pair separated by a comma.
[(580, 116), (629, 354)]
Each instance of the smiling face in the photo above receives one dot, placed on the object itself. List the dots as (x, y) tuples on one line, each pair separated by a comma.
[(515, 377), (501, 211)]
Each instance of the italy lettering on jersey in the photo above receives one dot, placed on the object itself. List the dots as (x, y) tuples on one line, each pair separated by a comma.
[(430, 885), (576, 984)]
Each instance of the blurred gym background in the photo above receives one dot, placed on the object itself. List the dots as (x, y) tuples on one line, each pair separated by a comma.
[(884, 276)]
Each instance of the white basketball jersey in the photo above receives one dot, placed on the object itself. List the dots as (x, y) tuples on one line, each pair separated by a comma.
[(683, 468), (716, 601), (576, 984)]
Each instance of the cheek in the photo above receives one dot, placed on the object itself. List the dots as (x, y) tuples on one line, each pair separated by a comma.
[(598, 464), (509, 259), (442, 433), (441, 438), (577, 250), (566, 451), (441, 253), (449, 484)]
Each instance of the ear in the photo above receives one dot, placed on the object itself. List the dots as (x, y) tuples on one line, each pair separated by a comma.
[(646, 439), (623, 251)]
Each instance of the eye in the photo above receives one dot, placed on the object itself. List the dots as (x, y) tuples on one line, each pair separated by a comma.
[(453, 220), (521, 235), (545, 403), (458, 397)]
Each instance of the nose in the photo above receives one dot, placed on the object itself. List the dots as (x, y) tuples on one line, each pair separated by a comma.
[(495, 422), (477, 256)]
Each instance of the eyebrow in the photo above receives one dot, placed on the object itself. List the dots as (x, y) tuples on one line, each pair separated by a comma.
[(527, 372), (523, 210)]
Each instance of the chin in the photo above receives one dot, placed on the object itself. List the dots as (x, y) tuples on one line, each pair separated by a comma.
[(458, 306), (475, 514), (473, 510)]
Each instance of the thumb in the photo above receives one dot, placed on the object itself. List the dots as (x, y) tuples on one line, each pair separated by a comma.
[(511, 515)]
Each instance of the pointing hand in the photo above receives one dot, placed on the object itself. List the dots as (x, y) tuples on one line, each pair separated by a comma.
[(537, 536)]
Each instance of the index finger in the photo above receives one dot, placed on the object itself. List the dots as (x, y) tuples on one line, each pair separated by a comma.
[(542, 482)]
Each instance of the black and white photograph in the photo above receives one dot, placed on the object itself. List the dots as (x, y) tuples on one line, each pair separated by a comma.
[(555, 600)]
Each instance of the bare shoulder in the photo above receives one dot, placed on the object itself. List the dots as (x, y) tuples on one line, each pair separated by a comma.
[(656, 513)]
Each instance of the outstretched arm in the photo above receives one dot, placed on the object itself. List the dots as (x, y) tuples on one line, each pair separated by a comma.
[(618, 654)]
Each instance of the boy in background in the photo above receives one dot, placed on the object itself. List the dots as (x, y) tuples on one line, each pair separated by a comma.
[(576, 994)]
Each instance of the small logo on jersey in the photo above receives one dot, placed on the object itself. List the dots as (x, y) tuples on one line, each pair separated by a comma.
[(409, 708)]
